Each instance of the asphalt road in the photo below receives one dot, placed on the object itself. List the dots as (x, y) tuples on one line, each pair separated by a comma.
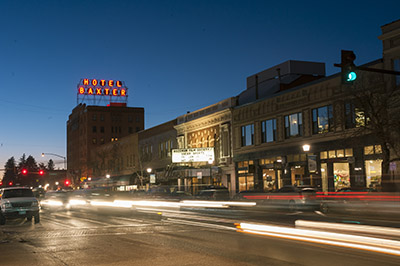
[(189, 237)]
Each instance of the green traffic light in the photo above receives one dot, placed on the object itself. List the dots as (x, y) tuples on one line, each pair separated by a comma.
[(352, 76)]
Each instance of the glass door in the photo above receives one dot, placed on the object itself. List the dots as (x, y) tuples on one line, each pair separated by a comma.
[(341, 174)]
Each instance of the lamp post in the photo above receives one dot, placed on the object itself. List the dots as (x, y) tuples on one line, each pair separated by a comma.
[(211, 163), (306, 148), (53, 154), (108, 180)]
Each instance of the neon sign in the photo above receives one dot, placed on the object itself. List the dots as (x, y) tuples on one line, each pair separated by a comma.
[(102, 87)]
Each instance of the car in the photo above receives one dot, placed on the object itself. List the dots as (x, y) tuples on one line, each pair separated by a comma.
[(18, 202), (56, 200), (294, 198), (214, 193)]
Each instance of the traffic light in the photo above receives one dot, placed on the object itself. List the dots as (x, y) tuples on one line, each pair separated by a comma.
[(41, 172), (67, 182), (349, 69), (24, 171)]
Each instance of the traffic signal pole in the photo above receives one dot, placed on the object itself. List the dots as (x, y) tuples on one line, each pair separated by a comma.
[(347, 65)]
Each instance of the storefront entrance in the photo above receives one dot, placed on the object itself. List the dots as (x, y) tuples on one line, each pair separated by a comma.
[(373, 171), (271, 179), (341, 175)]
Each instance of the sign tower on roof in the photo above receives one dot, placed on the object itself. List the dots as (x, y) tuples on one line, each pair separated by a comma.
[(102, 92)]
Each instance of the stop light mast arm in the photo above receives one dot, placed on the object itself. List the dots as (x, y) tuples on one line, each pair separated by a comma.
[(377, 70)]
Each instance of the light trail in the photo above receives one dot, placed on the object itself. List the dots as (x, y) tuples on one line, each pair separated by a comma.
[(386, 246), (349, 227)]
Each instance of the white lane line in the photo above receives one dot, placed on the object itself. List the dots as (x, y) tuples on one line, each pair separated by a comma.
[(207, 225)]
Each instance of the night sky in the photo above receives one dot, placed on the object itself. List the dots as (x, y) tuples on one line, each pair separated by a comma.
[(174, 56)]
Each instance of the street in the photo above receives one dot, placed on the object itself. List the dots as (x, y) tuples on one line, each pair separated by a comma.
[(164, 237)]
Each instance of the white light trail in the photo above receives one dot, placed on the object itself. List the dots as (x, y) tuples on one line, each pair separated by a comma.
[(386, 246)]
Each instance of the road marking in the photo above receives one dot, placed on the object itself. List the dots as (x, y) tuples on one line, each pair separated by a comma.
[(212, 226)]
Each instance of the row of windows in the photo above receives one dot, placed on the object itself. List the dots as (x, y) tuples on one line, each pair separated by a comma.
[(114, 118), (322, 122), (114, 129), (165, 148), (94, 140)]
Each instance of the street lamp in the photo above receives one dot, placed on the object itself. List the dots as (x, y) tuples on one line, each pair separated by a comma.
[(53, 154), (108, 180), (149, 170), (306, 147)]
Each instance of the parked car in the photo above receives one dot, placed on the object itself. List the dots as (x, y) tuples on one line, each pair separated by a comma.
[(18, 202)]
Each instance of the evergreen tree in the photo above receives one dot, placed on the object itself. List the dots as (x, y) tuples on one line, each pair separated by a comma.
[(10, 172), (50, 165), (28, 163)]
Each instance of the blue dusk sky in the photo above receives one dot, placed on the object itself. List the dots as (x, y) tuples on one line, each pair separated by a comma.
[(174, 56)]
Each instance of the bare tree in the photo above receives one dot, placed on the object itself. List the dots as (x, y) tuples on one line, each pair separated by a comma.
[(377, 112)]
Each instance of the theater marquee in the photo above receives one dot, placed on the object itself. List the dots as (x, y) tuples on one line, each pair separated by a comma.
[(193, 155)]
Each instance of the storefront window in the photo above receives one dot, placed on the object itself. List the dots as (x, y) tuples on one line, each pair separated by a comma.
[(378, 149), (272, 179), (340, 153), (349, 152), (332, 154), (373, 149), (298, 175), (246, 183), (324, 155), (373, 170), (341, 174), (368, 150)]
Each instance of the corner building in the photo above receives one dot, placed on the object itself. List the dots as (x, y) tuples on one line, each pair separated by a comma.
[(88, 127), (277, 116)]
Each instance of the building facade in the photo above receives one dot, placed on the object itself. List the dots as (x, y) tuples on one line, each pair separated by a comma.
[(208, 127), (315, 133), (91, 126), (155, 151)]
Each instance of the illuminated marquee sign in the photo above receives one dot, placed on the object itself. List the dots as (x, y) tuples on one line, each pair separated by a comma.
[(193, 155), (101, 87)]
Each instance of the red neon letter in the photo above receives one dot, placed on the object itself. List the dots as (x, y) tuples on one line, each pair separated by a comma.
[(85, 82), (102, 82), (119, 83), (90, 91), (115, 92), (110, 83), (94, 82), (81, 90), (106, 91), (98, 91), (123, 92)]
